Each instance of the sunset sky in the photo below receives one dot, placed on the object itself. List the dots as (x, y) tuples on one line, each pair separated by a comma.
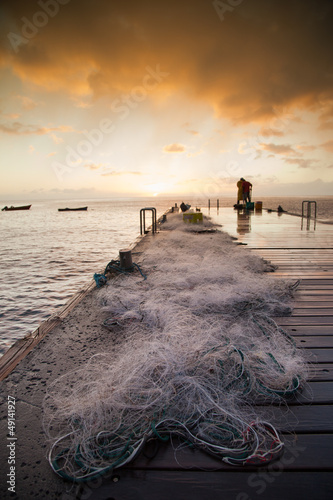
[(115, 98)]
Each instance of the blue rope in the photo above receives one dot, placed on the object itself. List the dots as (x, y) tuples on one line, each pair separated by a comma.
[(142, 274), (114, 265), (100, 279)]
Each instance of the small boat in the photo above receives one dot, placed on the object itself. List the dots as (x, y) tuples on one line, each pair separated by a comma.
[(72, 209), (9, 209)]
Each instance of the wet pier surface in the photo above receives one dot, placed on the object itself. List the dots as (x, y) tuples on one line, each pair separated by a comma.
[(301, 250)]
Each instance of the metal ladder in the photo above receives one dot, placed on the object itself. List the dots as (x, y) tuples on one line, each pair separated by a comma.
[(143, 229), (308, 206)]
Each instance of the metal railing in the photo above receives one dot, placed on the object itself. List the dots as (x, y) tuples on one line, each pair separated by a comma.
[(307, 204), (143, 229)]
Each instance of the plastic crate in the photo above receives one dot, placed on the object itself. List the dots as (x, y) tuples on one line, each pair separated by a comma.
[(193, 217)]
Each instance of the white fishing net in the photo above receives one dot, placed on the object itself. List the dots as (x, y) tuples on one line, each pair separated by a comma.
[(199, 350)]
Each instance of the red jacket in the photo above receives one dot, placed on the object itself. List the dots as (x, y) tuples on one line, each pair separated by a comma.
[(246, 186)]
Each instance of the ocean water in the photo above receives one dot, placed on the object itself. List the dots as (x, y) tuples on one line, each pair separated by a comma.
[(47, 256)]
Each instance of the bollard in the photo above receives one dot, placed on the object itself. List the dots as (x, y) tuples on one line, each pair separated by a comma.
[(125, 258)]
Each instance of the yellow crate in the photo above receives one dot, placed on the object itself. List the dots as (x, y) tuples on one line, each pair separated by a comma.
[(193, 217)]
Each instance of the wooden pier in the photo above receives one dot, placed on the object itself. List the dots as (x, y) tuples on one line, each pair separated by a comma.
[(302, 251)]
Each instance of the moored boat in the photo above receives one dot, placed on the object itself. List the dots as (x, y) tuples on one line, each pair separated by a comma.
[(9, 209), (72, 209)]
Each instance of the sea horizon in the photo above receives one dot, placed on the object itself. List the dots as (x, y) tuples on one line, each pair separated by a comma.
[(111, 197), (48, 256)]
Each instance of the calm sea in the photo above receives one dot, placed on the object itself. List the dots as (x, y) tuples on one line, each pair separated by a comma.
[(48, 255)]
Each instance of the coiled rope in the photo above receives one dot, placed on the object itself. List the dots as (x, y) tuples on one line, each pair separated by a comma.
[(114, 266)]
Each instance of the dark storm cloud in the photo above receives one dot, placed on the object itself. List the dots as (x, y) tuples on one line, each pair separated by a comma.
[(264, 57)]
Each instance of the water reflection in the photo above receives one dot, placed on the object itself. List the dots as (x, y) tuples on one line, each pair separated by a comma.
[(307, 226), (243, 221)]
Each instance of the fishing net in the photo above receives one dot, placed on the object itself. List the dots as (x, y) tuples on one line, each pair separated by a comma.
[(199, 352)]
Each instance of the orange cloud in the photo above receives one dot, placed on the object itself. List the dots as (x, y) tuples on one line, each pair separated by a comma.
[(279, 149), (268, 132), (301, 162), (260, 60), (304, 147), (26, 102), (174, 148), (328, 146), (18, 128), (94, 166)]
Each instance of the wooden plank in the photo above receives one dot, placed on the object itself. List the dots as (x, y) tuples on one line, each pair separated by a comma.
[(312, 311), (317, 341), (320, 268), (299, 453), (267, 251), (321, 371), (297, 266), (301, 268), (276, 484), (315, 418), (315, 285), (311, 392), (296, 251), (288, 275), (313, 296), (304, 320), (301, 262), (314, 392), (297, 330), (318, 284), (323, 266), (315, 277), (319, 355), (313, 302), (315, 273), (306, 272), (300, 257)]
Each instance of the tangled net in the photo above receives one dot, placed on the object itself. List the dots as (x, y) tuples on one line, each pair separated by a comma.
[(200, 350)]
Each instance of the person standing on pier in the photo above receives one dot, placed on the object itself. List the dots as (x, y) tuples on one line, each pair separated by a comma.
[(247, 188), (240, 190)]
